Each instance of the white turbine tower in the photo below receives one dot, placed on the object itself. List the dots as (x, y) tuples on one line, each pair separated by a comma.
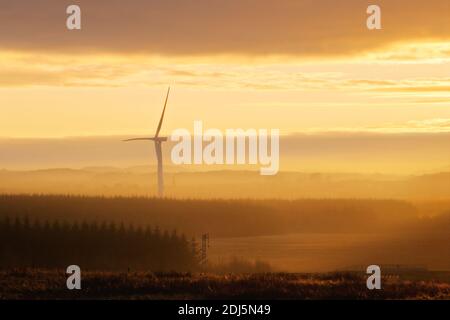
[(158, 141)]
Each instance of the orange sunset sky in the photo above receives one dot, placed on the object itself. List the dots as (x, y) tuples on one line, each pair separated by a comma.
[(301, 66), (296, 65)]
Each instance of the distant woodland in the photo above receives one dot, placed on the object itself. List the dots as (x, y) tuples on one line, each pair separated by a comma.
[(229, 218), (26, 244)]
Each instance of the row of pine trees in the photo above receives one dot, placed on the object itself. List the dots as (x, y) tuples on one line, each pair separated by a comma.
[(104, 246)]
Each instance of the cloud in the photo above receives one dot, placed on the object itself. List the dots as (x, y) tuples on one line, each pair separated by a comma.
[(63, 70), (19, 72), (413, 85), (434, 52), (89, 71), (209, 27), (443, 124), (436, 125), (416, 89)]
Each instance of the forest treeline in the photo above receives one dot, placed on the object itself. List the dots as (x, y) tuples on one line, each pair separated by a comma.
[(102, 246), (222, 218)]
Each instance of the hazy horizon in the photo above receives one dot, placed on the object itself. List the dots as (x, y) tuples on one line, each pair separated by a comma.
[(363, 153)]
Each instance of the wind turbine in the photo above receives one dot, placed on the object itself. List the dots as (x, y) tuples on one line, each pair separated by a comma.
[(158, 141)]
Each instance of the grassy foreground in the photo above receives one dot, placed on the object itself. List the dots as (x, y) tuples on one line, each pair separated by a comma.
[(51, 284)]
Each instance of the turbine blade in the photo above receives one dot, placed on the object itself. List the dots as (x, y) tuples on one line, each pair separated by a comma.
[(135, 139), (162, 115)]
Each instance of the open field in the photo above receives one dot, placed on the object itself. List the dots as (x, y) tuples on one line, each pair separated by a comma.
[(324, 252), (51, 284), (305, 235)]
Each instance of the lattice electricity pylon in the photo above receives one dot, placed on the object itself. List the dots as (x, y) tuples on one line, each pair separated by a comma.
[(205, 246)]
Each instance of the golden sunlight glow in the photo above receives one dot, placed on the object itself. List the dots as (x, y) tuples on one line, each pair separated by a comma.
[(57, 95)]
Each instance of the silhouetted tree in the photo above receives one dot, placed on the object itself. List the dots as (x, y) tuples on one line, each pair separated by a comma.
[(92, 246)]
